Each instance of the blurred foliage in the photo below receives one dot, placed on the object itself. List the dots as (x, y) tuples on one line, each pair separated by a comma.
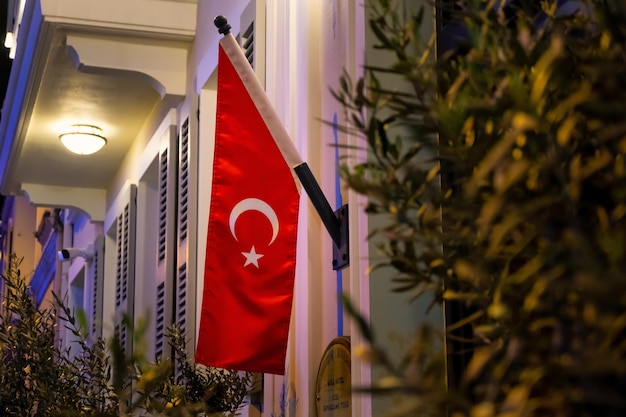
[(200, 389), (499, 168), (98, 379)]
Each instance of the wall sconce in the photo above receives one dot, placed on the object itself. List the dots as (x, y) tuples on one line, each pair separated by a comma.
[(83, 139)]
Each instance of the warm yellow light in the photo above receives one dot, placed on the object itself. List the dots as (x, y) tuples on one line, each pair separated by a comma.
[(8, 40), (83, 139)]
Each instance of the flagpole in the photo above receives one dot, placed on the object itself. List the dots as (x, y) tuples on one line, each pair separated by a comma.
[(336, 223)]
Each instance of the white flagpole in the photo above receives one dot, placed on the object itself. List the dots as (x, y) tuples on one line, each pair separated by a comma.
[(262, 103), (336, 223)]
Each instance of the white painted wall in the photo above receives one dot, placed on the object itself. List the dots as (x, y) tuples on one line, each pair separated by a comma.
[(308, 44)]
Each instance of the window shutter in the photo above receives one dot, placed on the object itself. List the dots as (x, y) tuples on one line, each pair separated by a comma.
[(183, 181), (166, 245), (162, 206), (180, 312), (252, 37), (160, 322), (181, 297), (125, 267), (121, 332), (97, 275), (184, 299), (247, 43)]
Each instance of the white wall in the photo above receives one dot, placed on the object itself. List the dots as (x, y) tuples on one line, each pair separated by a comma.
[(308, 44)]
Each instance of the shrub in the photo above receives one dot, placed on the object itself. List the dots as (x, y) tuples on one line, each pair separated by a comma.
[(519, 218), (37, 379)]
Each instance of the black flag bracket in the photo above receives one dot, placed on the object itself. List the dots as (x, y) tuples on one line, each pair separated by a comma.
[(336, 222)]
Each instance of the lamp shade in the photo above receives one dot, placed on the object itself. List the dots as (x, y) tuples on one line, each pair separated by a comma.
[(83, 139)]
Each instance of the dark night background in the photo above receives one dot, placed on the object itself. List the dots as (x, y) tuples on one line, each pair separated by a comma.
[(5, 62)]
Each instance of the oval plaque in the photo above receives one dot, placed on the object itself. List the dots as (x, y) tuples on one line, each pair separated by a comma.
[(333, 392)]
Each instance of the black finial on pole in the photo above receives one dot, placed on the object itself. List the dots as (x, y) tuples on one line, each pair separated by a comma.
[(222, 25)]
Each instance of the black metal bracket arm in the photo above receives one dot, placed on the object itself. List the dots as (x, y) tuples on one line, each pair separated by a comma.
[(336, 222)]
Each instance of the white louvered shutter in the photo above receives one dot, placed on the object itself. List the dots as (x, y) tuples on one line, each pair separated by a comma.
[(97, 288), (185, 284), (125, 237), (160, 321), (247, 43), (181, 297), (183, 183), (252, 37), (166, 253)]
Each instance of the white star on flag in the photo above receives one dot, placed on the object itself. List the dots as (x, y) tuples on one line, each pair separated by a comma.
[(245, 316), (252, 257)]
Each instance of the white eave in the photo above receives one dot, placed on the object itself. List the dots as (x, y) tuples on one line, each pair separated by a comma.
[(150, 38)]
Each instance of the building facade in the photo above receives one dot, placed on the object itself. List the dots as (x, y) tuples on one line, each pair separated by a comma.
[(135, 213)]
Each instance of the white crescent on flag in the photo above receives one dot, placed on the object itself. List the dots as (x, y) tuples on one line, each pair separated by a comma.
[(257, 205), (246, 308)]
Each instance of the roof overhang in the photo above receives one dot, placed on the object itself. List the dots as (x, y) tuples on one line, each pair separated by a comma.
[(110, 64)]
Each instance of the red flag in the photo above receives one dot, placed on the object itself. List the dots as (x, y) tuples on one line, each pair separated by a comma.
[(252, 232)]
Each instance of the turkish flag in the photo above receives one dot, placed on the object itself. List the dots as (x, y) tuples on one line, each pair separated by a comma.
[(251, 242)]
